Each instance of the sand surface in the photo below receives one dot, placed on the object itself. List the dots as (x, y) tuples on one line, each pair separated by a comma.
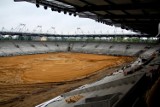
[(43, 76)]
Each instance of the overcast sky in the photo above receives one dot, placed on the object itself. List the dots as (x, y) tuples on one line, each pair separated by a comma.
[(13, 14)]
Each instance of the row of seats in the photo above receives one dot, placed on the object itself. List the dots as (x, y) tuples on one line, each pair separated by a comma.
[(124, 49), (9, 48), (106, 91), (150, 51), (107, 82)]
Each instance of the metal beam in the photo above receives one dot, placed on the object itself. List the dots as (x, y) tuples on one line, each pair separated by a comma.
[(80, 35), (143, 16), (138, 21), (147, 7), (98, 15), (111, 3), (152, 5)]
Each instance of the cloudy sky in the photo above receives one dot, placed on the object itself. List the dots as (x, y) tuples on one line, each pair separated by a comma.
[(12, 14)]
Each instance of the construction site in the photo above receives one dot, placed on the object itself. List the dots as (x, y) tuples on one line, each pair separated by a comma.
[(85, 72)]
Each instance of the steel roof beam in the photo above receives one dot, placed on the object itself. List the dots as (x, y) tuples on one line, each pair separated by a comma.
[(138, 21), (142, 16), (120, 7)]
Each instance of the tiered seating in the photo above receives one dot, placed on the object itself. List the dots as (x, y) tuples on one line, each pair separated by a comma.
[(2, 53), (100, 101), (117, 49), (9, 48), (52, 46), (89, 48), (33, 47), (78, 47), (134, 49), (105, 94), (26, 47), (101, 48), (63, 46), (150, 51), (106, 82), (39, 47)]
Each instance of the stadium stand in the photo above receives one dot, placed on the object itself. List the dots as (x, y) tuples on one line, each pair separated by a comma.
[(26, 47), (117, 49), (53, 47), (9, 48), (134, 49), (89, 48), (78, 46), (101, 47), (40, 48), (96, 94), (63, 46), (2, 53), (150, 52)]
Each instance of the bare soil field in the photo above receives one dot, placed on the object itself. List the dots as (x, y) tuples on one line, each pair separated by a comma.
[(26, 81)]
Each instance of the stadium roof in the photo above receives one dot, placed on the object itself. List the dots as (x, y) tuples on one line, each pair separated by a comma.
[(137, 15)]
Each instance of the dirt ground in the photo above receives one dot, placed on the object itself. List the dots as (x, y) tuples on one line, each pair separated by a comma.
[(26, 81)]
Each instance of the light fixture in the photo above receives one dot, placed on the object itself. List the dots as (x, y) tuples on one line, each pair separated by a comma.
[(45, 7), (65, 11), (37, 5), (59, 10), (70, 13), (75, 14), (52, 9)]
